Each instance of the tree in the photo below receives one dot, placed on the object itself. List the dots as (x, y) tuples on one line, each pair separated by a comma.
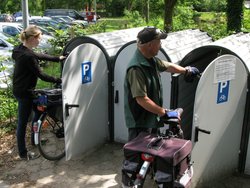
[(7, 6), (168, 17), (234, 15)]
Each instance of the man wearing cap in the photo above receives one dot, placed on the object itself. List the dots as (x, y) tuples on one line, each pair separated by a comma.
[(143, 89)]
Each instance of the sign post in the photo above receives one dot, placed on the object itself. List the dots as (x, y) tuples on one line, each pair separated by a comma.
[(25, 11)]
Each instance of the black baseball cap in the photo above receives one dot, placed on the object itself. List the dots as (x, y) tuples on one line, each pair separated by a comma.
[(150, 33)]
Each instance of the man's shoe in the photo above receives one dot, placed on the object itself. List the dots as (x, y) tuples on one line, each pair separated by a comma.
[(30, 156)]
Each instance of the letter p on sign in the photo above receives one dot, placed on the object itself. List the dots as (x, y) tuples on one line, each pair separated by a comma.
[(223, 91), (86, 72)]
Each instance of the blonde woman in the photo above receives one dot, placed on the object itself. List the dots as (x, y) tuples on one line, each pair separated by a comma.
[(26, 74)]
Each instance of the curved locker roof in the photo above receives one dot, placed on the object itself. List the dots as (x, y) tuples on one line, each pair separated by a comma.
[(176, 45), (239, 44), (236, 44), (180, 43), (112, 41)]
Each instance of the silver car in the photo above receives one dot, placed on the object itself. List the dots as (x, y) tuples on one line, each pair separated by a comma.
[(6, 63), (13, 29)]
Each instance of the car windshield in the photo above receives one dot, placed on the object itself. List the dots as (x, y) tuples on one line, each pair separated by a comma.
[(4, 36)]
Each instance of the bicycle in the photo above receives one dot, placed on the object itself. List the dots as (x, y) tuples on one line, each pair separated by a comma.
[(49, 129), (165, 155)]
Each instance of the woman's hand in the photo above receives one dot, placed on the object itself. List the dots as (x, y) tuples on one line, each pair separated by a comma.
[(62, 57)]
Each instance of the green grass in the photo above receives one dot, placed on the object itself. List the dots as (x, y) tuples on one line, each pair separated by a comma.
[(112, 24), (206, 16), (52, 69)]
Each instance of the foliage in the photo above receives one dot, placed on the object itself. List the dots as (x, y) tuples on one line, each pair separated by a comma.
[(61, 37), (246, 20), (111, 24), (157, 22), (183, 18), (14, 40), (208, 5), (8, 110), (7, 127), (59, 41), (117, 7), (134, 18), (214, 24), (8, 104), (98, 27)]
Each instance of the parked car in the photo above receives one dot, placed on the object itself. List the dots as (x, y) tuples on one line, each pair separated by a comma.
[(69, 20), (20, 18), (5, 37), (55, 25), (64, 12), (17, 14), (61, 20), (6, 63), (14, 29), (4, 45)]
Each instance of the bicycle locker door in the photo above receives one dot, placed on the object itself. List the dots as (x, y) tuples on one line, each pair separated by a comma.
[(219, 107), (85, 83), (122, 59)]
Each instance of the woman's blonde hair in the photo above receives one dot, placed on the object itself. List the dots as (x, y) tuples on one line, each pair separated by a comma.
[(30, 31)]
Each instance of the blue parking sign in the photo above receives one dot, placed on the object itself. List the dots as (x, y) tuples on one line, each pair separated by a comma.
[(223, 91), (86, 72)]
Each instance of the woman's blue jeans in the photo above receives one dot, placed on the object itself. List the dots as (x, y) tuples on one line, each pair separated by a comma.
[(25, 106)]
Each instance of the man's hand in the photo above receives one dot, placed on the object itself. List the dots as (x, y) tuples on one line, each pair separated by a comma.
[(191, 73), (170, 114)]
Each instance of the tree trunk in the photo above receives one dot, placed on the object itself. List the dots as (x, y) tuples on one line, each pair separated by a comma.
[(234, 15), (147, 11), (168, 17)]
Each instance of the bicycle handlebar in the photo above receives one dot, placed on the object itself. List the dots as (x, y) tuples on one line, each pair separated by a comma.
[(174, 120)]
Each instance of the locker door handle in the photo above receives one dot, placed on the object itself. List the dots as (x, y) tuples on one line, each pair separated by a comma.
[(69, 106), (197, 130), (116, 96)]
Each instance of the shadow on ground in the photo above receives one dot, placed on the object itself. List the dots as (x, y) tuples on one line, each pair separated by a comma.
[(100, 169)]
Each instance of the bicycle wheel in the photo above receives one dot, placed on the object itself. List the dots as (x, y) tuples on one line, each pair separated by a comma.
[(51, 138)]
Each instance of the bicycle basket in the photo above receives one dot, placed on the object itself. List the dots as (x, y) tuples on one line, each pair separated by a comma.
[(54, 96), (48, 98), (41, 102)]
